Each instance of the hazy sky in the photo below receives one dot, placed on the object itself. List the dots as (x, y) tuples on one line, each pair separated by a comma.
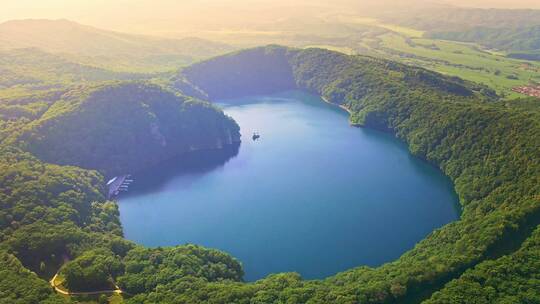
[(498, 3), (141, 15), (119, 14)]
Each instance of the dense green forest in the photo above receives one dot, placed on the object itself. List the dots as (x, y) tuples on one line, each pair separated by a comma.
[(39, 67), (513, 278), (29, 70), (53, 211), (20, 285), (121, 127)]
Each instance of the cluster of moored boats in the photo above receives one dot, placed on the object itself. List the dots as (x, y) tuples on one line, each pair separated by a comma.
[(119, 184)]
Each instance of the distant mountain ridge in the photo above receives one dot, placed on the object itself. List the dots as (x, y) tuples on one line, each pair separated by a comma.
[(515, 31), (95, 46), (448, 18), (512, 39), (31, 70)]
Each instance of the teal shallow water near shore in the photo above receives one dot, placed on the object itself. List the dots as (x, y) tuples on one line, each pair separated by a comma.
[(313, 195)]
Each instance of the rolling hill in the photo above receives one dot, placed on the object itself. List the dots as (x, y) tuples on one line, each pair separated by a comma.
[(28, 71), (92, 126), (30, 66), (106, 49)]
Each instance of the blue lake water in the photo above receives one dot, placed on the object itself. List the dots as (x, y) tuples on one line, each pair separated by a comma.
[(313, 195)]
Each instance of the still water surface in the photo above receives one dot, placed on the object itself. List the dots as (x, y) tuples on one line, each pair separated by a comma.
[(313, 195)]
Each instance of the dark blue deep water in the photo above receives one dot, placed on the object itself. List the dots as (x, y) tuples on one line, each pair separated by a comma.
[(313, 195)]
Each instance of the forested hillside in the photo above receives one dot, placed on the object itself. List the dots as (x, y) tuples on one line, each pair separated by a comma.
[(508, 39), (48, 213), (513, 278), (25, 71), (20, 285), (226, 76), (52, 213), (123, 127), (319, 71)]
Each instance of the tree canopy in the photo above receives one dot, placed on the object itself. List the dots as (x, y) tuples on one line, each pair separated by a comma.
[(53, 205)]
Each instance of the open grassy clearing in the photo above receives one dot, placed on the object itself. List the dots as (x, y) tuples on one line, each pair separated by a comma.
[(466, 60)]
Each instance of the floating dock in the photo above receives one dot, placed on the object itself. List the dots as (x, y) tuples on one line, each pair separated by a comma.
[(118, 184)]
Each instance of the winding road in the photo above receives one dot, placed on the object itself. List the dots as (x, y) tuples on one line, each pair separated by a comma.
[(117, 289)]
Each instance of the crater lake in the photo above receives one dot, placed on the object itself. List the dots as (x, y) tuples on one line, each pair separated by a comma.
[(312, 195)]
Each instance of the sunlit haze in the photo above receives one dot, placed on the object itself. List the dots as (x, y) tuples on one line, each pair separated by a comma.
[(176, 17), (269, 151)]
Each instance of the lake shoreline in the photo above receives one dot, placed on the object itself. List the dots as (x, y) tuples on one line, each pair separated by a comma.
[(343, 108), (357, 125)]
